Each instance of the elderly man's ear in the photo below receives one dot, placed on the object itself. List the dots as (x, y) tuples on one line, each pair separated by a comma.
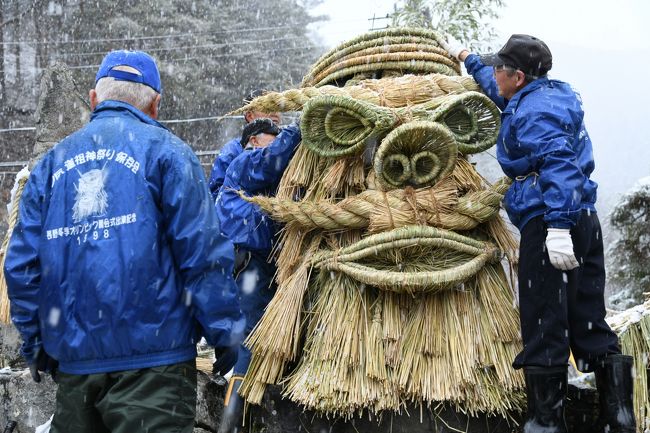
[(154, 108), (92, 95)]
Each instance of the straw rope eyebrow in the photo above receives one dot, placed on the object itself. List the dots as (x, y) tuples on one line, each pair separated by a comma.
[(386, 92)]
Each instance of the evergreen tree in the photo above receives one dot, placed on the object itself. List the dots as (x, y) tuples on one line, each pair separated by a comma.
[(630, 253), (466, 20)]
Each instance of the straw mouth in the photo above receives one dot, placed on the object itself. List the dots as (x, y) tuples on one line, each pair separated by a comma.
[(438, 259)]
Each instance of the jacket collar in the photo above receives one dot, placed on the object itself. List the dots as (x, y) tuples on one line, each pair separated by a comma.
[(112, 108), (528, 88)]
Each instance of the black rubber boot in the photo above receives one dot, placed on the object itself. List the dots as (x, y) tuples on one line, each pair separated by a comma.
[(233, 408), (546, 389), (615, 388)]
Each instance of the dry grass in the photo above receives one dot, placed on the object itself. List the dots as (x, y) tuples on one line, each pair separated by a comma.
[(5, 314)]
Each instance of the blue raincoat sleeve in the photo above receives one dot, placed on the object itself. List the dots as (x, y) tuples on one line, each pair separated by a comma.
[(227, 154), (23, 268), (203, 256), (254, 172), (484, 76), (561, 179)]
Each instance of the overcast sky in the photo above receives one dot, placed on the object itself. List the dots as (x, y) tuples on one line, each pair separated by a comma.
[(602, 48)]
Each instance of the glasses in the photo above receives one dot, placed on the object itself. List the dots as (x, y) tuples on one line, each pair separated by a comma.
[(499, 68)]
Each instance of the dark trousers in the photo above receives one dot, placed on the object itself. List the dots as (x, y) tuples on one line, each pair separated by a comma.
[(149, 400), (256, 289), (563, 310)]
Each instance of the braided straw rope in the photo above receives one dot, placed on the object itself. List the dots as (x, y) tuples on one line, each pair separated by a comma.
[(404, 66), (380, 38), (375, 61), (382, 211), (422, 46), (361, 46), (352, 260), (5, 316), (386, 92)]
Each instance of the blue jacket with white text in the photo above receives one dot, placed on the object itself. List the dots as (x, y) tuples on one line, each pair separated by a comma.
[(117, 261), (544, 147)]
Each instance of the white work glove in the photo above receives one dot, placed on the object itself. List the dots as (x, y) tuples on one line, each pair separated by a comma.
[(453, 46), (560, 249)]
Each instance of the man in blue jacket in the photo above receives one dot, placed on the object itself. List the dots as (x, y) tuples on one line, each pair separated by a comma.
[(257, 171), (235, 147), (117, 266), (544, 147)]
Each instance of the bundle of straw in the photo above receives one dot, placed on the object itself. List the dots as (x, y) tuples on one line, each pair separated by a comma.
[(418, 154), (400, 50), (416, 61), (438, 259), (386, 92), (633, 329), (363, 309), (21, 180), (334, 126)]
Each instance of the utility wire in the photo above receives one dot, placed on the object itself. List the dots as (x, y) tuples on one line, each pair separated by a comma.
[(184, 59), (224, 55), (176, 48), (164, 36), (190, 120)]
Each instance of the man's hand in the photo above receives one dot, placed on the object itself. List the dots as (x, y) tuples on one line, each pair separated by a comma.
[(33, 369), (454, 48), (560, 249), (43, 363)]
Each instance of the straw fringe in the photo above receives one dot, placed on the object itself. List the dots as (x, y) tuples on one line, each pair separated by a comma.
[(5, 315)]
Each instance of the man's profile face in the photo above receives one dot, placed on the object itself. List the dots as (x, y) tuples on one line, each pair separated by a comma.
[(507, 81), (262, 140)]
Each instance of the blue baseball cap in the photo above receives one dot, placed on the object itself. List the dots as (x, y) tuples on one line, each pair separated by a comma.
[(139, 60)]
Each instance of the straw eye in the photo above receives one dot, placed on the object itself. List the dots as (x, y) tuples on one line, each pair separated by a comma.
[(397, 169), (335, 126), (425, 167)]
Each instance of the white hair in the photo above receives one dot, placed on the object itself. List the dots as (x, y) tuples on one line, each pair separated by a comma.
[(139, 95)]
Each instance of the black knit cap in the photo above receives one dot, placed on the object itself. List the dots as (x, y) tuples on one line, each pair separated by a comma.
[(258, 126), (254, 94), (524, 52)]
